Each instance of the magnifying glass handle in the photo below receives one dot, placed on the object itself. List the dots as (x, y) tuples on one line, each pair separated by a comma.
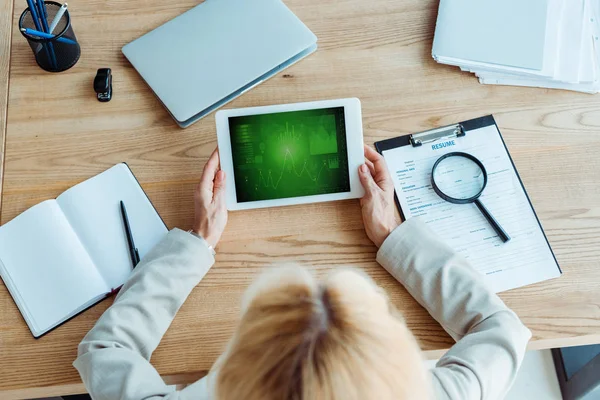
[(501, 232)]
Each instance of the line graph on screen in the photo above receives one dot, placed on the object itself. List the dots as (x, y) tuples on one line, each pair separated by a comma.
[(270, 182)]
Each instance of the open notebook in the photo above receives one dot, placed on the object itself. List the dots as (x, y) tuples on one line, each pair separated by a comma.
[(62, 256)]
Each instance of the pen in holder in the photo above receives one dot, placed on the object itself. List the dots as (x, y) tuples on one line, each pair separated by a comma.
[(56, 49)]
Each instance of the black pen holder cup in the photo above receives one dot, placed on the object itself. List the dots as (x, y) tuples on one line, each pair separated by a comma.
[(60, 52)]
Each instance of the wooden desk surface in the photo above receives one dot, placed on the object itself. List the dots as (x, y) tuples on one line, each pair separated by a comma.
[(58, 135), (6, 8)]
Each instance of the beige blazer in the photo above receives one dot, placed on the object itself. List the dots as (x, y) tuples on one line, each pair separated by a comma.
[(114, 357)]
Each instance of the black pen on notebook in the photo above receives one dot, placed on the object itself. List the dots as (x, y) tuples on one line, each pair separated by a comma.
[(133, 251)]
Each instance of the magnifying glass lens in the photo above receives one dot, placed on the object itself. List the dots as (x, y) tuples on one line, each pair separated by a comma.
[(459, 177)]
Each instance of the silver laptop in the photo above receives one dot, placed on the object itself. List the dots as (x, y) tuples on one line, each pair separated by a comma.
[(216, 51)]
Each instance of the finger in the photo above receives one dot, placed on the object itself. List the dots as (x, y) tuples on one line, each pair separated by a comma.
[(375, 158), (370, 153), (210, 171), (382, 175), (366, 179), (219, 187), (371, 167)]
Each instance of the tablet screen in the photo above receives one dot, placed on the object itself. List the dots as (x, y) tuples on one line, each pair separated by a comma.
[(289, 154)]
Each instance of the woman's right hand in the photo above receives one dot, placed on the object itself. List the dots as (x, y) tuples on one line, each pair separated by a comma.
[(379, 212)]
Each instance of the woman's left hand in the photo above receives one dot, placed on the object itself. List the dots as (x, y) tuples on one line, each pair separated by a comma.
[(209, 202)]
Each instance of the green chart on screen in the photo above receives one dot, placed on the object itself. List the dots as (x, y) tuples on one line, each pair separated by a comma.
[(289, 154)]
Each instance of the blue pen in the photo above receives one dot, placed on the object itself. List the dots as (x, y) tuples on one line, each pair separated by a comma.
[(44, 20), (43, 35), (36, 21), (42, 14), (34, 16)]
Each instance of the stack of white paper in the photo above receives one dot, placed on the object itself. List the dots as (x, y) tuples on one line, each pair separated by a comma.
[(541, 43)]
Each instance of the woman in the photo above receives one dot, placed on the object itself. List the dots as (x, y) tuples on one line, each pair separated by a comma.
[(308, 340)]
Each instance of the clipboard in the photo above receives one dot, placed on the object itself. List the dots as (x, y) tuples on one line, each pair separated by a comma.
[(460, 135), (426, 137)]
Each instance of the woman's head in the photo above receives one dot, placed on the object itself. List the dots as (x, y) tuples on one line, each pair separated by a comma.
[(300, 339)]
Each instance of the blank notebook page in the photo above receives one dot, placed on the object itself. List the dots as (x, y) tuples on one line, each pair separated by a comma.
[(92, 208), (504, 32), (49, 272)]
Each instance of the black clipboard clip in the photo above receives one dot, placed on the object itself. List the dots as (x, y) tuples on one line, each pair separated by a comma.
[(444, 133)]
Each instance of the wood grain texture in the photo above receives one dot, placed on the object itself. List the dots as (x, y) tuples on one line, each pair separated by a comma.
[(6, 13), (378, 51)]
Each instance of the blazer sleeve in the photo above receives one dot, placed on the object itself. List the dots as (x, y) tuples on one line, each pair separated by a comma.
[(113, 358), (491, 340)]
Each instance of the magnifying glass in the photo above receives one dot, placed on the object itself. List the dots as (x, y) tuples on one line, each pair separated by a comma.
[(460, 178)]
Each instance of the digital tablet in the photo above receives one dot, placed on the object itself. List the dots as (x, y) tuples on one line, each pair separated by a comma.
[(291, 154)]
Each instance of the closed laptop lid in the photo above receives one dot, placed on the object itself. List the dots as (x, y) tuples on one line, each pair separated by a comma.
[(214, 49)]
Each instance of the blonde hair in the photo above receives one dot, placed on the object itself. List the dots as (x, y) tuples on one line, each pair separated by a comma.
[(303, 340)]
